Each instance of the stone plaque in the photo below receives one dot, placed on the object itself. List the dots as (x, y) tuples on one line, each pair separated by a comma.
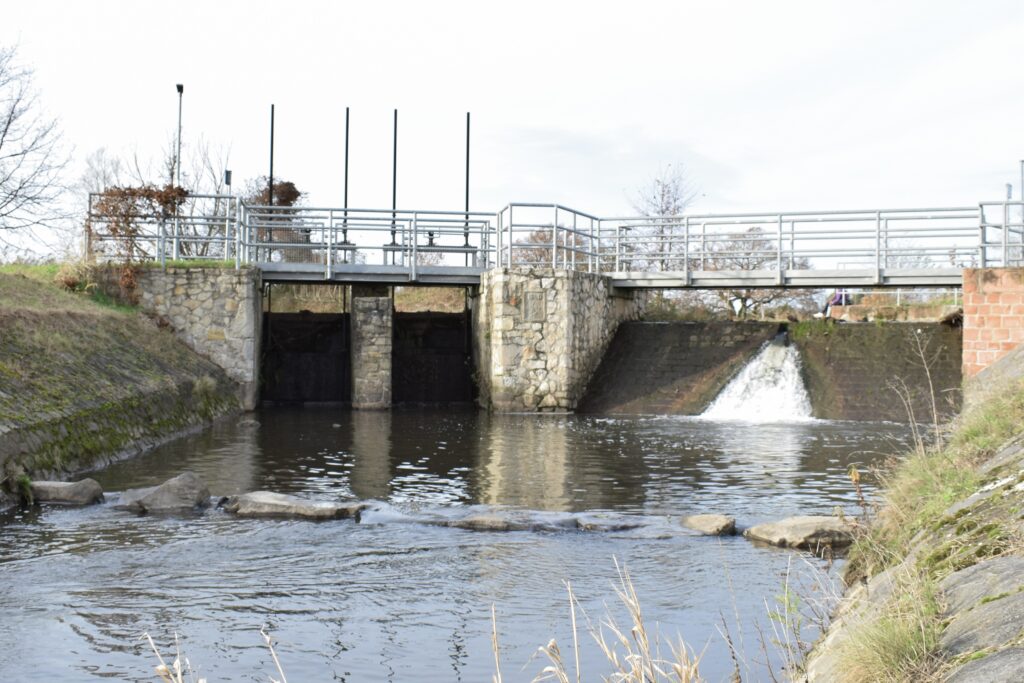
[(534, 307)]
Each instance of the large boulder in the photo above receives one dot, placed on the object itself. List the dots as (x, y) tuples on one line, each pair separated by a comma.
[(710, 525), (182, 493), (805, 532), (270, 504), (84, 492)]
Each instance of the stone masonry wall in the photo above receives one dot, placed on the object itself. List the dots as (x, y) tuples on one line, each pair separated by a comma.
[(217, 312), (541, 333), (993, 316), (372, 333)]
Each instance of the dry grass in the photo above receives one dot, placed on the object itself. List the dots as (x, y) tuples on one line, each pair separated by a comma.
[(633, 655), (180, 669)]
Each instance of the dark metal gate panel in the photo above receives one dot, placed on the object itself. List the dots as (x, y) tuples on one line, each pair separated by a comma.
[(431, 358), (306, 358)]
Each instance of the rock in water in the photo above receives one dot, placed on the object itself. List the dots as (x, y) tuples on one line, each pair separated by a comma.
[(806, 532), (269, 504), (710, 525), (182, 493), (489, 522), (84, 492)]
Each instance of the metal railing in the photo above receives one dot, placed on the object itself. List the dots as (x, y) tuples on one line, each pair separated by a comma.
[(694, 249)]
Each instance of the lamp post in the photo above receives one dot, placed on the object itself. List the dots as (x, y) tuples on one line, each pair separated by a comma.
[(177, 157), (177, 173)]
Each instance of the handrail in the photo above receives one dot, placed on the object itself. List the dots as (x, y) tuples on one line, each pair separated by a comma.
[(554, 235)]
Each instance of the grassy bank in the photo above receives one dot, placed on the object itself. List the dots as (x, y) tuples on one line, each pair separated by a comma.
[(81, 378), (946, 508)]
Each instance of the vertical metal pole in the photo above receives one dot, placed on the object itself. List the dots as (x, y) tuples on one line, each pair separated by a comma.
[(878, 247), (238, 234), (592, 249), (1006, 231), (554, 239), (466, 229), (619, 248), (415, 243), (177, 174), (345, 220), (270, 178), (330, 241), (572, 242), (686, 250), (508, 263), (778, 250), (982, 256), (394, 179), (703, 244), (885, 243)]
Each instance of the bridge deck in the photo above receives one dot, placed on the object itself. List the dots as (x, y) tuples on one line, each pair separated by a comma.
[(708, 279), (911, 247)]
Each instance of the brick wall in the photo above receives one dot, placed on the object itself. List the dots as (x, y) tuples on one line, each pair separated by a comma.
[(993, 316)]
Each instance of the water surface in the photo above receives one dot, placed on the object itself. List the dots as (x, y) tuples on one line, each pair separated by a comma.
[(395, 597)]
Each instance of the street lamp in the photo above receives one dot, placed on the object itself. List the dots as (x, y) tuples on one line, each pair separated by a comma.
[(177, 174), (177, 163)]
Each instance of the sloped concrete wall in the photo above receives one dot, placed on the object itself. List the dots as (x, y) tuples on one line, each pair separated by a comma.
[(672, 368)]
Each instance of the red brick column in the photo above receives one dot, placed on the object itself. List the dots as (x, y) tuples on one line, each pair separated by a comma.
[(993, 315)]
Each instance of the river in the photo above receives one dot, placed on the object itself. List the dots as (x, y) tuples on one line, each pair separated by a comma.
[(395, 597)]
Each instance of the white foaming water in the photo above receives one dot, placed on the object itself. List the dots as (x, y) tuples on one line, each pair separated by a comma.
[(768, 389)]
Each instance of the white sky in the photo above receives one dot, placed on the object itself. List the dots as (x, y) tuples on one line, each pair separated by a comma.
[(769, 105)]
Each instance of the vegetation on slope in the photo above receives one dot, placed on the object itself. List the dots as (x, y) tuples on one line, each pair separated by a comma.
[(79, 379), (925, 532)]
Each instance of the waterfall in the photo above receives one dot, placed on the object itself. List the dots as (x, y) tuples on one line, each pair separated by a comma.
[(768, 389)]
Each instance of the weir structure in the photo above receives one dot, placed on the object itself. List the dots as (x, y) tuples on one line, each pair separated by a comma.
[(548, 284)]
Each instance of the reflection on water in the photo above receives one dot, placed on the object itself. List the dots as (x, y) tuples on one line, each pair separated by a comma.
[(396, 597)]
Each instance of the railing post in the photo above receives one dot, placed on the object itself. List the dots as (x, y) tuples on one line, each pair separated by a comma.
[(703, 245), (618, 248), (508, 260), (554, 239), (885, 243), (1006, 233), (686, 250), (878, 247), (572, 242), (238, 233), (415, 246), (498, 241), (174, 239), (330, 243), (591, 249), (982, 255), (778, 251)]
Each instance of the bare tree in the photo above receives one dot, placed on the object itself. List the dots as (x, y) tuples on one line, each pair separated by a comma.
[(31, 154), (667, 196)]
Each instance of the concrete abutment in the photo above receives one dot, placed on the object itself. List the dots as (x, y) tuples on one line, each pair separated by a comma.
[(540, 333)]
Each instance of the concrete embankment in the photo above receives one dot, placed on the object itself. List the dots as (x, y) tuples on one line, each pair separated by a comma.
[(865, 371), (851, 371), (81, 383), (937, 581)]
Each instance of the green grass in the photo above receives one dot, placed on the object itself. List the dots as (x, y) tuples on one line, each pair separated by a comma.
[(41, 272), (900, 642), (900, 645)]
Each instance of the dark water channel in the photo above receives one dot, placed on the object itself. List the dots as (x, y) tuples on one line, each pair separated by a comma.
[(396, 598)]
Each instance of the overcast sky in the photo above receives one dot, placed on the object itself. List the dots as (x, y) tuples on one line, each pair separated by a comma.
[(768, 105)]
